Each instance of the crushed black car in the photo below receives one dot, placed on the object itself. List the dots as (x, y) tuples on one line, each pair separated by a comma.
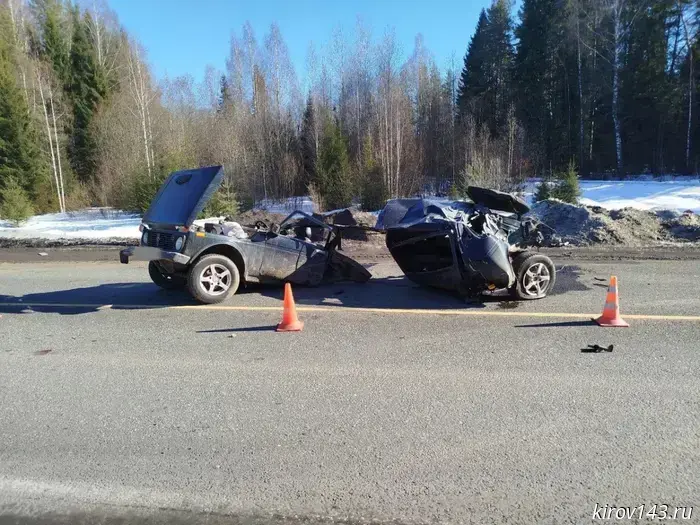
[(213, 259), (468, 247)]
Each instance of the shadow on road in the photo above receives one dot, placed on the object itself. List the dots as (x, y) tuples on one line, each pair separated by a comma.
[(585, 322), (569, 279), (392, 292), (117, 515), (90, 299), (380, 293), (245, 329)]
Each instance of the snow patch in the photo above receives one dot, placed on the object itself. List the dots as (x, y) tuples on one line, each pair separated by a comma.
[(91, 223), (677, 195)]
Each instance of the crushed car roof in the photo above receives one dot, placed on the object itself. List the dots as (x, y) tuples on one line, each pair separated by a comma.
[(404, 212)]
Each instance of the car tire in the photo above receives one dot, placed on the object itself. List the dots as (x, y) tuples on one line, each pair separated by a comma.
[(213, 278), (535, 276), (165, 280)]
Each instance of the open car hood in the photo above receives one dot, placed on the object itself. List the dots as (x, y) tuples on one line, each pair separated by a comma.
[(183, 196), (497, 200)]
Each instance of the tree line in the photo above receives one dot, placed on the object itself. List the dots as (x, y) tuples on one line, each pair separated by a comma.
[(594, 86)]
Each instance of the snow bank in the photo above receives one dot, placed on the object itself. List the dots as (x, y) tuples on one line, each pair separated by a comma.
[(92, 223), (676, 195)]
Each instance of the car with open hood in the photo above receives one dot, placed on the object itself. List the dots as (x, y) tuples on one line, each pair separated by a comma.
[(213, 259)]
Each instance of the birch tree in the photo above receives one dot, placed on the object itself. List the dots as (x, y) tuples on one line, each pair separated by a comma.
[(690, 35), (616, 8), (104, 30), (46, 93), (142, 96)]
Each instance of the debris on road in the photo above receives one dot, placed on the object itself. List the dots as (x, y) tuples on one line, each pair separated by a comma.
[(597, 349), (43, 254), (508, 305), (43, 352)]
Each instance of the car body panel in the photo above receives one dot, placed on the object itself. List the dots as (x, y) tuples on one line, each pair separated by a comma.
[(277, 258), (281, 257)]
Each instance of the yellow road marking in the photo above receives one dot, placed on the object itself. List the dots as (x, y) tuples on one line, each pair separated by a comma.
[(360, 309)]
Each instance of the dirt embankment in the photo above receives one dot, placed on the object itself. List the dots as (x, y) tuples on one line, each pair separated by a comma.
[(593, 225)]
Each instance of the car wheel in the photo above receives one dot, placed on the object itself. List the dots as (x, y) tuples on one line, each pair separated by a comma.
[(534, 276), (213, 278), (165, 280)]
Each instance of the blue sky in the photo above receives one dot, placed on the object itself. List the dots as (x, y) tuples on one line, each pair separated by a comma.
[(183, 36)]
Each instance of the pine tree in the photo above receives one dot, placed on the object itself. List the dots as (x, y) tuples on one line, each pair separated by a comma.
[(53, 44), (567, 188), (20, 156), (485, 89), (225, 98), (499, 59), (307, 140), (223, 203), (541, 69), (645, 88), (333, 170), (473, 82), (15, 205), (373, 193), (86, 90), (543, 191)]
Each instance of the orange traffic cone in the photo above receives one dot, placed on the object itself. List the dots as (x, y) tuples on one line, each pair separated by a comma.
[(611, 310), (290, 321)]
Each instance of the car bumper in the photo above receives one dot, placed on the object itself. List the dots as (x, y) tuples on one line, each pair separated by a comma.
[(148, 253)]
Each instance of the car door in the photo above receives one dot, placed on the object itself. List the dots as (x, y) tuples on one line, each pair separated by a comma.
[(281, 256)]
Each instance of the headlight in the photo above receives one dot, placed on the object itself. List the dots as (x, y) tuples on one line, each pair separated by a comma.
[(144, 239), (178, 243)]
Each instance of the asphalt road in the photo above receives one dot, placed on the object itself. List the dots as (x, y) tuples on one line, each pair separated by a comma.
[(121, 403)]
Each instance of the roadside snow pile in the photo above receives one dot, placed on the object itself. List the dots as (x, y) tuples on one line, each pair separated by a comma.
[(89, 224), (586, 225), (687, 226), (680, 194)]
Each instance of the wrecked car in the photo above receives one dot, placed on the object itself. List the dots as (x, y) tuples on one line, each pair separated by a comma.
[(468, 247), (213, 259)]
